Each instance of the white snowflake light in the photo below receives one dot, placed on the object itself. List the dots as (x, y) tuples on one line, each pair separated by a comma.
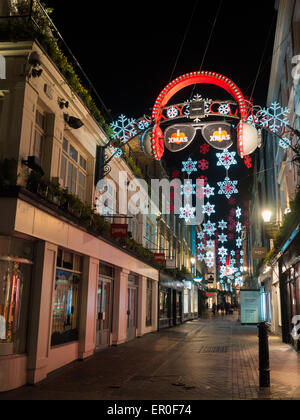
[(209, 228), (239, 242), (188, 188), (226, 159), (228, 187), (222, 238), (208, 209), (238, 212), (200, 235), (284, 143), (238, 227), (189, 166), (222, 225), (274, 117), (210, 244), (172, 112), (222, 251), (201, 247), (210, 263), (201, 257), (124, 128), (232, 253), (208, 191), (187, 213)]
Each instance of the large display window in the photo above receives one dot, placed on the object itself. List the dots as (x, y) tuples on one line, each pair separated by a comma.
[(65, 321), (15, 277)]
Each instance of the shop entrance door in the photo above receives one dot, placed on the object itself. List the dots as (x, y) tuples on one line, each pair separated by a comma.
[(132, 313), (104, 303)]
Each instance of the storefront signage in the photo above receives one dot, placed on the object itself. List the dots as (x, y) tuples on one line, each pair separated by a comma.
[(159, 258), (218, 135), (170, 263), (118, 230), (178, 137), (258, 253)]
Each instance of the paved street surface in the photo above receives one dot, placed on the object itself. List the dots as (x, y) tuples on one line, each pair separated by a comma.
[(207, 359)]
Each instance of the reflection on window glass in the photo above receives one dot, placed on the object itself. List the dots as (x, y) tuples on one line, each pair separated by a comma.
[(14, 295)]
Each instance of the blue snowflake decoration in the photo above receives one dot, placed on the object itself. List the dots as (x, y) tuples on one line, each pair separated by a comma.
[(201, 247), (124, 128), (143, 124), (189, 166), (187, 213), (210, 244), (200, 235), (188, 189), (284, 143), (222, 225), (208, 209), (232, 253), (241, 252), (238, 227), (228, 187), (209, 228), (116, 152), (210, 263), (201, 257), (239, 242), (226, 159), (208, 191), (274, 117), (238, 212), (222, 238)]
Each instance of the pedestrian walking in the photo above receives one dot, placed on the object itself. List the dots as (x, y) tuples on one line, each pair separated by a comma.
[(214, 307)]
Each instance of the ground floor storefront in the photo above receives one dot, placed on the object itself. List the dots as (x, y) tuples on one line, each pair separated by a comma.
[(64, 294)]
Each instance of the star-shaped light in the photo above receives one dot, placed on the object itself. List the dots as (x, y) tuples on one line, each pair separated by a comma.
[(201, 246), (209, 228), (222, 238), (222, 251), (238, 212), (210, 244), (227, 187), (200, 235), (201, 257), (238, 227), (188, 188), (208, 209), (226, 159), (239, 242), (208, 191), (189, 166), (187, 213), (222, 225)]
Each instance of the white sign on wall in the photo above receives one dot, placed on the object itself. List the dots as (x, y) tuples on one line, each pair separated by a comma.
[(250, 301)]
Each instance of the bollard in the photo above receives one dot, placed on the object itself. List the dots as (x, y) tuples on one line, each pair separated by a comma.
[(264, 361)]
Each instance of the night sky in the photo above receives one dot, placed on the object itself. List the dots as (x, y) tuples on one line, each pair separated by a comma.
[(129, 51)]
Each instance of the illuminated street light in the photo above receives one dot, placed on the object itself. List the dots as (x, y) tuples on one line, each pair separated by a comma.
[(266, 214)]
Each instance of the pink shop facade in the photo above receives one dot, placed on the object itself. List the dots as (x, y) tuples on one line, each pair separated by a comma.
[(64, 294)]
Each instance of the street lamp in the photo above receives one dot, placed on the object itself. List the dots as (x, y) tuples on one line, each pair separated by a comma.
[(266, 214)]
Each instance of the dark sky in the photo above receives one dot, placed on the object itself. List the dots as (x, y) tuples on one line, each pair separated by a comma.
[(129, 49)]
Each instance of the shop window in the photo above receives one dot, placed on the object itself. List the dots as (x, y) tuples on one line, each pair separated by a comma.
[(163, 304), (149, 298), (39, 134), (65, 321), (73, 170), (14, 296)]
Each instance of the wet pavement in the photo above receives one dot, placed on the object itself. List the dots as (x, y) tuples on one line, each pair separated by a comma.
[(206, 359)]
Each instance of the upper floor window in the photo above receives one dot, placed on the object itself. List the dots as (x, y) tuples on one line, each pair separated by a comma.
[(73, 170), (39, 134)]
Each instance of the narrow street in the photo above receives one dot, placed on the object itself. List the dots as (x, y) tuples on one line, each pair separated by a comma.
[(206, 359)]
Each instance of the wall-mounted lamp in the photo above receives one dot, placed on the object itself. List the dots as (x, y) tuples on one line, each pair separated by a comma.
[(63, 103), (266, 215), (34, 61)]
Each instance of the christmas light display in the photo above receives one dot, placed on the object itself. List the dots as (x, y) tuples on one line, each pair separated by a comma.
[(227, 187), (222, 251), (226, 159), (210, 244), (208, 209), (248, 161), (238, 227), (187, 213), (208, 191), (222, 225), (188, 188), (284, 143), (124, 128), (204, 178), (209, 228), (222, 238), (203, 165), (189, 166), (201, 257), (172, 112), (274, 118), (204, 149), (239, 242), (201, 247), (238, 212), (200, 235)]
